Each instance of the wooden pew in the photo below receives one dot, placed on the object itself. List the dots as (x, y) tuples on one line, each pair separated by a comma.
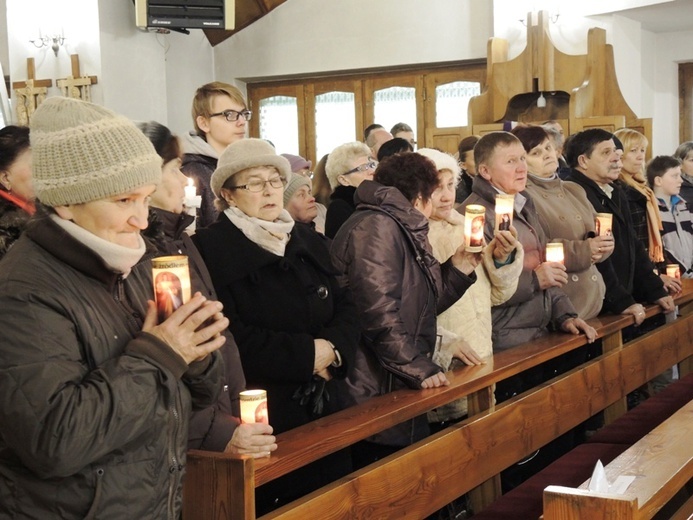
[(468, 456), (662, 462)]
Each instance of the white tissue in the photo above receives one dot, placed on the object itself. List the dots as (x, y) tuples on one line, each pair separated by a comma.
[(598, 481)]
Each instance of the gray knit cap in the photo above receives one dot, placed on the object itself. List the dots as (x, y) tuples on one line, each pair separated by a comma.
[(295, 182), (244, 154), (83, 152)]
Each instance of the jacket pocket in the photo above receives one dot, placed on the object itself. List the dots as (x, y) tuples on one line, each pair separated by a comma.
[(97, 495)]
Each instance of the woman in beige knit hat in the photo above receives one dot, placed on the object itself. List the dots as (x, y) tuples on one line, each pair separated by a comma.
[(95, 393), (295, 326)]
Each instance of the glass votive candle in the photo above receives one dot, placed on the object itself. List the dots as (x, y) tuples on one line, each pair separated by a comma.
[(554, 252), (474, 223), (171, 278), (674, 271), (254, 406), (602, 224), (505, 205)]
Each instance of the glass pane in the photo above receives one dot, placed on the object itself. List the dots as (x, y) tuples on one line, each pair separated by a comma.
[(452, 100), (279, 123), (395, 105), (335, 120)]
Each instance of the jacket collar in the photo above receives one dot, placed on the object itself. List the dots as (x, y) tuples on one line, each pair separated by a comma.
[(171, 225), (345, 193), (56, 241)]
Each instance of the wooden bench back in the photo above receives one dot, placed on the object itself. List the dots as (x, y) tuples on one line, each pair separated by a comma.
[(422, 478), (662, 462)]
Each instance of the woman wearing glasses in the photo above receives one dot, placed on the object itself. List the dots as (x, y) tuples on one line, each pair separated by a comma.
[(296, 329), (347, 166)]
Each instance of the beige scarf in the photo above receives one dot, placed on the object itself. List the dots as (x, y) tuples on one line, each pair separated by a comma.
[(120, 259), (654, 221), (270, 236)]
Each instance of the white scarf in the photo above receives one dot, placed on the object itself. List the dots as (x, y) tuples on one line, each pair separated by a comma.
[(270, 236), (119, 258)]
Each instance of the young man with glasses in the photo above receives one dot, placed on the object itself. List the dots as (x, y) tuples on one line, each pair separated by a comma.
[(220, 116)]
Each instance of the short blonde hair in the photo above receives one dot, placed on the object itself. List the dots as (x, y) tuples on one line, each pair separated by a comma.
[(202, 102), (340, 159)]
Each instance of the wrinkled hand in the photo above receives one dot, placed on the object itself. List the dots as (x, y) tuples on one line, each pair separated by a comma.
[(324, 357), (255, 440), (465, 261), (551, 274), (435, 381), (504, 243), (637, 311), (601, 247), (577, 326), (464, 352), (672, 285), (193, 330), (667, 304)]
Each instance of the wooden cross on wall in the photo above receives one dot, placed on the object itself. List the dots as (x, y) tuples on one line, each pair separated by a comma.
[(29, 94), (77, 86)]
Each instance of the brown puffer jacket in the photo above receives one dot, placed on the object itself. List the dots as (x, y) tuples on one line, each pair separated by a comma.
[(94, 411), (399, 288)]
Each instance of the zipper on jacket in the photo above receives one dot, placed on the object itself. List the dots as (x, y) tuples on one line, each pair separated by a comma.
[(174, 463)]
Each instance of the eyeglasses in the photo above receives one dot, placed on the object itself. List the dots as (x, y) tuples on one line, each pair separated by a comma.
[(233, 115), (370, 165), (257, 185)]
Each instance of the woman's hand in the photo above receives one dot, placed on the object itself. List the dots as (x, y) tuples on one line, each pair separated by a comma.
[(504, 243), (637, 311), (435, 381), (324, 357), (601, 247), (551, 274), (672, 285), (577, 326), (465, 261), (464, 352), (255, 440), (193, 330)]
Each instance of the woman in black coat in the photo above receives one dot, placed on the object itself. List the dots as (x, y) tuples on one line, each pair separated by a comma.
[(296, 329)]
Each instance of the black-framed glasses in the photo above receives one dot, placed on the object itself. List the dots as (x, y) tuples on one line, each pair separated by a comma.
[(233, 115), (257, 185), (370, 165)]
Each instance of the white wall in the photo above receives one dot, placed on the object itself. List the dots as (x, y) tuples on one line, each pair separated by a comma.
[(355, 34), (148, 76)]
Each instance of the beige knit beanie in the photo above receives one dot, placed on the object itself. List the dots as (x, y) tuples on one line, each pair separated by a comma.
[(295, 182), (244, 154), (83, 152)]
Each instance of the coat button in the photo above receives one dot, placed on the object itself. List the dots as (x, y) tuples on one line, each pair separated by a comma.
[(594, 277), (578, 217), (575, 278), (323, 292)]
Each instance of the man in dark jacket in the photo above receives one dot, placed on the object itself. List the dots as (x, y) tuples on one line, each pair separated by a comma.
[(628, 273), (220, 116)]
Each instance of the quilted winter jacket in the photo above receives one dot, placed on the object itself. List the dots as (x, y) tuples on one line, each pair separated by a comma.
[(94, 411), (399, 288)]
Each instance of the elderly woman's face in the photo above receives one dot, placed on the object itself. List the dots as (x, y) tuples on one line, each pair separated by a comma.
[(443, 198), (266, 203), (541, 160), (117, 219), (360, 169), (687, 164), (301, 206), (17, 178), (170, 193)]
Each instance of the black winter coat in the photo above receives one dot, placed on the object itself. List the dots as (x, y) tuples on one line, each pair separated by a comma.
[(13, 220), (399, 288), (211, 428), (340, 209), (628, 273)]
